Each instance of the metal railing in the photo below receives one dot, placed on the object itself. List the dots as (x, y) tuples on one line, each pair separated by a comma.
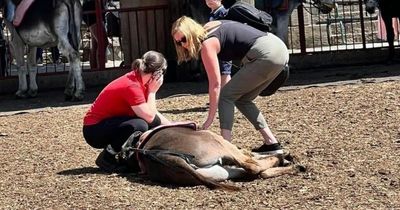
[(346, 28)]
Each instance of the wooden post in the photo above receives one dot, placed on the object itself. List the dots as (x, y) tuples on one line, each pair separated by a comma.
[(142, 30)]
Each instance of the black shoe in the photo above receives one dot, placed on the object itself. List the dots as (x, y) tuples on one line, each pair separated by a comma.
[(270, 149), (108, 163)]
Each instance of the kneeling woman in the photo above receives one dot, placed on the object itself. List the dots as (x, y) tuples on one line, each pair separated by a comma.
[(263, 54), (126, 105)]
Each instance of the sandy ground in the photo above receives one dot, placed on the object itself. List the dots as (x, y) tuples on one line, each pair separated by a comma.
[(344, 128)]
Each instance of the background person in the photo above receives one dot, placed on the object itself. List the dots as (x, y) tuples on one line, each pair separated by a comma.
[(218, 11), (264, 56), (381, 34), (91, 21), (126, 105)]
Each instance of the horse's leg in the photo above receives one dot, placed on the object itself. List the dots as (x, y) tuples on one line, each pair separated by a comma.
[(31, 60), (389, 34)]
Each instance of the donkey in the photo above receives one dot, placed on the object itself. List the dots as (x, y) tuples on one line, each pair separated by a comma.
[(182, 155), (389, 9), (47, 23)]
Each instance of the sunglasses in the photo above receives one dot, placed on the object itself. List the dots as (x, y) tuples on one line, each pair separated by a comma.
[(182, 41)]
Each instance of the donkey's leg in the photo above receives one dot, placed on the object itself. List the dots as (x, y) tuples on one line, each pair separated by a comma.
[(31, 60), (219, 173), (278, 171), (233, 154), (18, 51), (268, 162), (76, 77), (75, 87)]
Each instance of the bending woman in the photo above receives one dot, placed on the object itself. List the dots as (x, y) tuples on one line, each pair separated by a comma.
[(126, 105), (263, 57)]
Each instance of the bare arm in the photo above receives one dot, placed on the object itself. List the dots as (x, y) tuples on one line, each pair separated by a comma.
[(210, 49), (148, 110)]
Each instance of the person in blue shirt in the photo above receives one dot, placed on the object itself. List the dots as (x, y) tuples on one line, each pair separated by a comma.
[(218, 11), (9, 11)]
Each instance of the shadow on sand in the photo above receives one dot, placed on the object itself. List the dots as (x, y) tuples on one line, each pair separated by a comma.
[(298, 79)]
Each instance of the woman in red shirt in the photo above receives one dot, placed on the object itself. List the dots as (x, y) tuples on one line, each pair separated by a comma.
[(126, 105)]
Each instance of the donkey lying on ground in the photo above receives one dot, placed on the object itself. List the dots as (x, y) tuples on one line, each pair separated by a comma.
[(184, 156)]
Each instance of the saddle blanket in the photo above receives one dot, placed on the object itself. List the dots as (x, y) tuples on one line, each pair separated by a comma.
[(20, 11), (148, 134)]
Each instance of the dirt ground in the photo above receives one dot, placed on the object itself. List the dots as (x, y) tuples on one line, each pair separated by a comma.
[(346, 132)]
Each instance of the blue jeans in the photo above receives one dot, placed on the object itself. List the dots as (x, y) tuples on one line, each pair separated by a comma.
[(10, 11)]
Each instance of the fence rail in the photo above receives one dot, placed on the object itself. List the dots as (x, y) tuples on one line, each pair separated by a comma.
[(345, 28)]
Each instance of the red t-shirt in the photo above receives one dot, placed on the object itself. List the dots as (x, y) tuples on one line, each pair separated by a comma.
[(117, 98)]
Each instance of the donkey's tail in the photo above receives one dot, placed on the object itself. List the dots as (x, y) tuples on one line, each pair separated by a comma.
[(178, 167), (75, 14)]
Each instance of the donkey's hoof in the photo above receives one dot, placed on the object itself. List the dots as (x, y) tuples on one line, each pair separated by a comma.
[(289, 157), (77, 98), (67, 97), (21, 95), (300, 168), (32, 93), (73, 98)]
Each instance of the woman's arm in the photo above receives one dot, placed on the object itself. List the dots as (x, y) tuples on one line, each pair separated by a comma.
[(148, 111), (209, 51), (145, 112)]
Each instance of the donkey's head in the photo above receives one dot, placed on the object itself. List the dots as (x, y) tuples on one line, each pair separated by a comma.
[(324, 6), (371, 5)]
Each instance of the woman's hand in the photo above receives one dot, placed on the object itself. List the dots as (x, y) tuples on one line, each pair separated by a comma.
[(155, 82), (207, 124)]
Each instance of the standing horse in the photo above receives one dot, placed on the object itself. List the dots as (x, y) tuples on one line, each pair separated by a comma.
[(185, 156), (389, 9), (48, 23)]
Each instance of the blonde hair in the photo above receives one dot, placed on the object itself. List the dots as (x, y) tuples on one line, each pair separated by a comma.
[(194, 34), (150, 62)]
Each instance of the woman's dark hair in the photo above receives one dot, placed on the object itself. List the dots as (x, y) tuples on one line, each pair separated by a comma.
[(151, 62)]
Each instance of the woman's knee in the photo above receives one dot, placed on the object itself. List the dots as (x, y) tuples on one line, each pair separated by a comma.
[(138, 124)]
